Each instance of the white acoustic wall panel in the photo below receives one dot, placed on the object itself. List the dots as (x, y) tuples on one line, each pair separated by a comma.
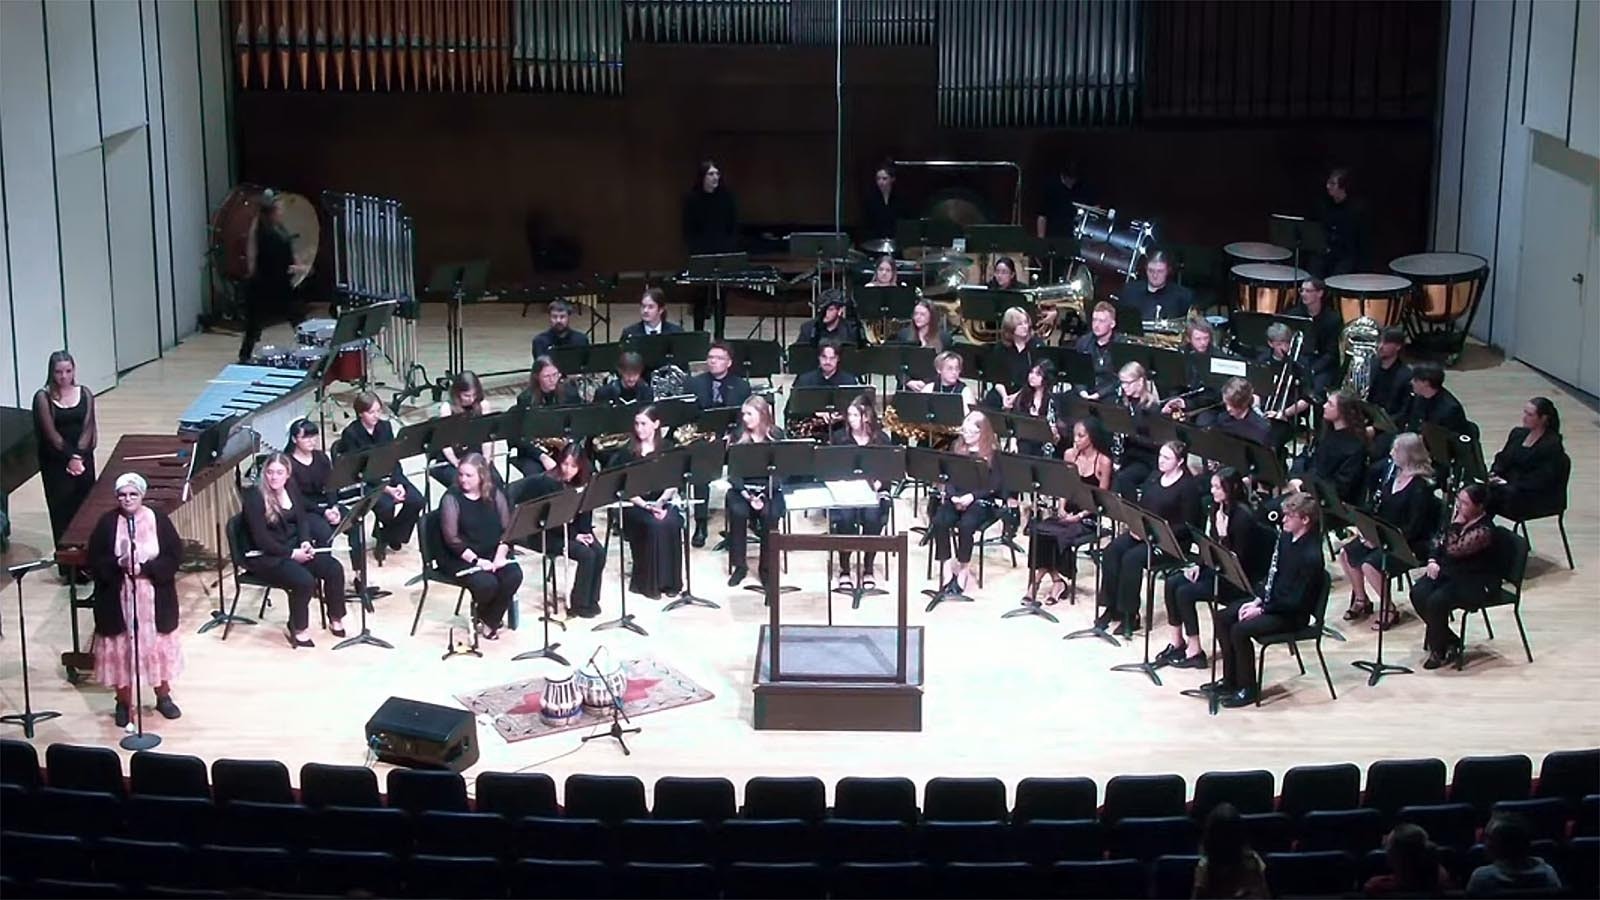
[(1479, 205), (74, 105), (8, 355), (1585, 133), (214, 100), (1452, 117), (1549, 100), (27, 166), (156, 134), (86, 269), (180, 81), (1497, 322), (119, 55), (127, 161)]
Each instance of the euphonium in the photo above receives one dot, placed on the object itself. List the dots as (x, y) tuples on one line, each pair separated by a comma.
[(1360, 346)]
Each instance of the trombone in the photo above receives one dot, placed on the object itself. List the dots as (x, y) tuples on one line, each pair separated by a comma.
[(1283, 386)]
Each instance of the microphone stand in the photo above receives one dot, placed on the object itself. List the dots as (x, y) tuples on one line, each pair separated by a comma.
[(616, 730), (139, 740), (27, 718)]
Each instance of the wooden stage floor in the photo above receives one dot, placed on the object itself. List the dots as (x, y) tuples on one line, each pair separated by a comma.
[(1006, 698)]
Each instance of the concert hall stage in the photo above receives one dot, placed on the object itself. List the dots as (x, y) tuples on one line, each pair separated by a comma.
[(1000, 697)]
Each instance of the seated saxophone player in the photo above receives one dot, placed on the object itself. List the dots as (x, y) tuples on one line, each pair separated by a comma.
[(717, 387), (547, 387), (629, 386), (465, 399), (1197, 400), (1321, 350), (1290, 401), (1157, 295), (827, 374), (1239, 417), (1136, 453), (1097, 344), (1014, 355), (948, 380), (831, 323)]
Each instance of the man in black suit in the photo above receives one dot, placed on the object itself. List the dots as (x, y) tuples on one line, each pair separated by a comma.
[(1432, 404), (1097, 345), (559, 334), (629, 386), (717, 387), (831, 324), (827, 373), (652, 317), (1389, 387)]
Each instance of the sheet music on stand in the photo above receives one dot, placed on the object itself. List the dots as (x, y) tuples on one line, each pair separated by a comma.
[(844, 494)]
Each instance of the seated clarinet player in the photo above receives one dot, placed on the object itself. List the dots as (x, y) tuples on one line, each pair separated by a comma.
[(1463, 573), (861, 430), (466, 399), (1238, 528), (401, 504), (927, 328), (1058, 530), (1197, 400), (961, 515), (715, 388), (1405, 499), (652, 523), (1014, 356), (1285, 603), (1097, 345), (560, 333), (1036, 400), (947, 365), (831, 323), (576, 540), (751, 501), (1137, 455), (473, 518), (281, 531), (309, 473), (1524, 480), (1171, 493), (629, 386), (1339, 454)]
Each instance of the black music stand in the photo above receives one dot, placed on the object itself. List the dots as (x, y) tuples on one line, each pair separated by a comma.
[(1219, 447), (982, 304), (445, 431), (917, 408), (613, 487), (208, 445), (28, 718), (1335, 514), (353, 517), (1378, 418), (996, 238), (883, 463), (1224, 566), (1074, 368), (1034, 475), (1264, 465), (679, 348), (1392, 545), (1013, 426), (767, 460), (886, 303), (805, 403), (699, 462), (1059, 253), (755, 359), (1461, 453), (1156, 534), (720, 269), (589, 359), (823, 246), (925, 234), (952, 472), (1113, 510), (463, 282), (899, 361), (1299, 234), (537, 517)]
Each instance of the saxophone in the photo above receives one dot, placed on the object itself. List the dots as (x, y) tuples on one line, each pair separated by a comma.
[(1360, 345)]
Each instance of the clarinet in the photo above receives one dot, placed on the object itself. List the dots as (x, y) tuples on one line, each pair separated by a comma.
[(1272, 567), (1050, 420)]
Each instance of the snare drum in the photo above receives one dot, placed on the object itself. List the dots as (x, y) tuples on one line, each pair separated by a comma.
[(315, 332), (270, 355), (1380, 298), (1448, 284), (307, 358), (1257, 252), (1267, 287)]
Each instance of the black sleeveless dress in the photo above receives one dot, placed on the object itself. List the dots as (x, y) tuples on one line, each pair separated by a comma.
[(1053, 541)]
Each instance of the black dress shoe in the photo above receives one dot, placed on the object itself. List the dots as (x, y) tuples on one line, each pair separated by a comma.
[(699, 539), (120, 715), (1197, 661), (289, 636), (1168, 655), (740, 573), (336, 631), (1128, 627), (1103, 621), (1245, 696), (1221, 686)]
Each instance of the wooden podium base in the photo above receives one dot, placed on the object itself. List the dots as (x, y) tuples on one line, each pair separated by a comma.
[(820, 690)]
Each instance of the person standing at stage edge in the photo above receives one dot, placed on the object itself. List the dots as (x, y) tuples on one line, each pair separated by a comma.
[(269, 292)]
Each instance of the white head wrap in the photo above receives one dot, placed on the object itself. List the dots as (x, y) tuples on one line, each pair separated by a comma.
[(135, 480)]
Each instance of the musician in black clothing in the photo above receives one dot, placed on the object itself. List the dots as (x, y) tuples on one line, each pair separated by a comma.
[(1157, 295), (465, 399), (279, 526), (400, 506), (576, 540), (629, 386), (1525, 478), (1239, 417), (831, 323), (1345, 220), (1036, 399), (1286, 602), (1291, 402), (547, 387), (1431, 403), (1406, 501), (1390, 384), (473, 517), (310, 474), (1238, 528), (1137, 458), (1321, 349), (861, 430), (652, 317), (927, 328), (1097, 344), (752, 501), (1170, 493), (273, 270), (1196, 393), (710, 215), (651, 522), (947, 366), (883, 207), (715, 388), (1013, 357), (1057, 214), (560, 333), (1463, 573), (827, 373), (1338, 456), (963, 514)]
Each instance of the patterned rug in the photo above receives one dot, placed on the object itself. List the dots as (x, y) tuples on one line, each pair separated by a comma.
[(514, 708)]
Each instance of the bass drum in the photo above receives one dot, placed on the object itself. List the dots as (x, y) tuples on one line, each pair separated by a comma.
[(233, 226)]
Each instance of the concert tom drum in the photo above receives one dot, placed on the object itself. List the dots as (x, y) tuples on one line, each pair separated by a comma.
[(271, 355), (307, 358), (1448, 285), (315, 332), (1380, 298), (1107, 244), (1257, 252), (1267, 287)]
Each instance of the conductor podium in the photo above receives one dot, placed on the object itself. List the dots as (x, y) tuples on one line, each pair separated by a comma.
[(838, 677)]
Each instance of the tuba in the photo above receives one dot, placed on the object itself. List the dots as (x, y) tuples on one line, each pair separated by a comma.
[(1072, 295), (1360, 344)]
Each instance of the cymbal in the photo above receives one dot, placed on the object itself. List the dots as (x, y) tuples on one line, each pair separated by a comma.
[(948, 259), (881, 246)]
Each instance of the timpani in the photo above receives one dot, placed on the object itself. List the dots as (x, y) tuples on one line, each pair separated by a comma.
[(1266, 287), (1449, 287), (1257, 252), (1380, 298)]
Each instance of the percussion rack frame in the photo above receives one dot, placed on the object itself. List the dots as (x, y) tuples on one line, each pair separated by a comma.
[(1016, 191)]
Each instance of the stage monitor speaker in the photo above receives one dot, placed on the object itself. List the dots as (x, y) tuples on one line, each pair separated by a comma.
[(423, 735)]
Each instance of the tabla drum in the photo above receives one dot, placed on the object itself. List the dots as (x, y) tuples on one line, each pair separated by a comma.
[(315, 332), (270, 355), (1380, 298), (594, 688), (1258, 252), (1266, 287), (1448, 285), (562, 702)]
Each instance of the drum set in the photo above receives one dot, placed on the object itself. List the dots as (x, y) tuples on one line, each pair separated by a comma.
[(314, 344)]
